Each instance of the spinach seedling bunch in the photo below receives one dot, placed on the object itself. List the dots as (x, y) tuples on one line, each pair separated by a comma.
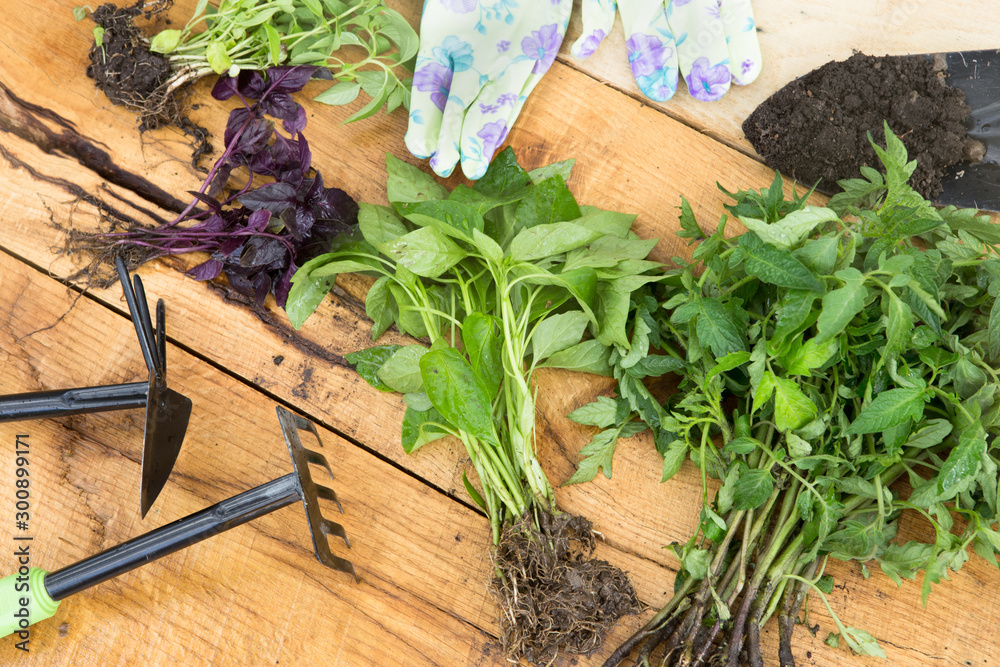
[(499, 279), (280, 217), (242, 35), (823, 355)]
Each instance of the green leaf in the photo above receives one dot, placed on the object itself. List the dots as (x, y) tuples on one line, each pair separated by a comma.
[(752, 489), (596, 454), (820, 254), (307, 292), (481, 338), (590, 356), (473, 493), (546, 240), (563, 169), (842, 304), (601, 413), (79, 13), (400, 32), (606, 223), (794, 311), (718, 330), (452, 386), (608, 251), (776, 266), (899, 328), (420, 427), (217, 58), (339, 94), (933, 433), (963, 461), (903, 561), (863, 643), (273, 44), (449, 217), (165, 41), (379, 224), (728, 363), (673, 459), (408, 184), (765, 390), (377, 307), (504, 178), (809, 355), (556, 333), (696, 563), (792, 408), (993, 331), (330, 268), (889, 409), (401, 371), (791, 230), (548, 202), (425, 251), (367, 362)]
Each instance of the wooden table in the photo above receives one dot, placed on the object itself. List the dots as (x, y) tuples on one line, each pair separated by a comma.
[(256, 595)]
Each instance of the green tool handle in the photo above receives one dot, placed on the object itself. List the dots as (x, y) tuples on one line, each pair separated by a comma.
[(24, 601)]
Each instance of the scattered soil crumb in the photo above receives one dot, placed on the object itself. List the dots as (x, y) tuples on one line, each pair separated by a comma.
[(278, 360), (553, 597), (816, 128)]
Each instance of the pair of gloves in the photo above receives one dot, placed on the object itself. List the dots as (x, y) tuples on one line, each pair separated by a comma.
[(480, 59)]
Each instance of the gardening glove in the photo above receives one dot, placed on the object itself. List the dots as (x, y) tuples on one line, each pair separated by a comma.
[(711, 43), (478, 62)]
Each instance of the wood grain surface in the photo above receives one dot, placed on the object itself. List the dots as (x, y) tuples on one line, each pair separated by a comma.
[(256, 595)]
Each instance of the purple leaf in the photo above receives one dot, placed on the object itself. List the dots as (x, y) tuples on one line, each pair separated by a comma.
[(219, 180), (298, 124), (304, 219), (289, 79), (230, 246), (255, 137), (207, 270), (261, 287), (284, 285), (251, 84), (280, 105), (259, 220), (239, 282), (224, 88), (289, 219), (205, 199), (337, 205), (263, 252), (275, 197), (238, 118)]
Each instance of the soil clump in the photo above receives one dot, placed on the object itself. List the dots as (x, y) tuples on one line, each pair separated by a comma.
[(816, 127)]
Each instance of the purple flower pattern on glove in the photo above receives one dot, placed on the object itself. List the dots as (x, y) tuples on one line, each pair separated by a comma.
[(436, 79), (542, 46), (492, 134), (503, 46), (647, 54), (590, 44), (460, 6), (707, 82)]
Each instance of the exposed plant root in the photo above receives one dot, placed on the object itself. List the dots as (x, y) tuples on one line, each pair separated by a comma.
[(553, 597), (123, 67)]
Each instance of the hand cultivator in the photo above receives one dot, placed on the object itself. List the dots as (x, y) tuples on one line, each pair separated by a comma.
[(167, 411), (32, 594)]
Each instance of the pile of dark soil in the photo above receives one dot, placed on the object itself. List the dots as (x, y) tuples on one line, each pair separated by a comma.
[(124, 68), (553, 598), (816, 128)]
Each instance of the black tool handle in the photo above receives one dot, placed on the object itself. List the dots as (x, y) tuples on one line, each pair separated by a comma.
[(174, 536), (41, 404)]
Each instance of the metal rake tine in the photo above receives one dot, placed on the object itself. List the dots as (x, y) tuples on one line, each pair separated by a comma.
[(326, 493), (334, 528), (318, 459), (338, 563), (147, 324), (130, 299)]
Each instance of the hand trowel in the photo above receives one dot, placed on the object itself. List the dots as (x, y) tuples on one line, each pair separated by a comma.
[(167, 411)]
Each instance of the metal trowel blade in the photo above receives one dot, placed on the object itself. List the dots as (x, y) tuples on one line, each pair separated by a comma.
[(167, 414), (977, 74)]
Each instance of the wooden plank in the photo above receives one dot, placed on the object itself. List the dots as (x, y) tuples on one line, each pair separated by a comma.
[(618, 168), (252, 595)]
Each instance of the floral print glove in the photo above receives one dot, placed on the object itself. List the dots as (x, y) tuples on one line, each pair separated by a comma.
[(712, 43), (478, 62)]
